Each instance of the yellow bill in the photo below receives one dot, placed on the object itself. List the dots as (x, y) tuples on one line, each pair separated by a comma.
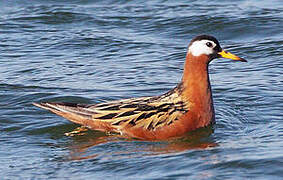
[(228, 55)]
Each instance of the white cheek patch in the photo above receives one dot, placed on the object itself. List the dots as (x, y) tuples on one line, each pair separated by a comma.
[(198, 48)]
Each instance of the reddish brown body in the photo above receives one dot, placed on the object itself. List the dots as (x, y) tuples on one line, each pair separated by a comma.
[(196, 90)]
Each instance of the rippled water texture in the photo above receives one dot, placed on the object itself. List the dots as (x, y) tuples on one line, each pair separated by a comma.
[(89, 52)]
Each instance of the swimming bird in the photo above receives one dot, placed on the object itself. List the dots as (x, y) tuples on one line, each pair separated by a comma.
[(186, 107)]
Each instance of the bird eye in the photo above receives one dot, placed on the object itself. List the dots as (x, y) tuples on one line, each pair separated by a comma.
[(209, 44)]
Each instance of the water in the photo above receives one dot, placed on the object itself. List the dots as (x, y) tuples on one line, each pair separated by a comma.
[(89, 52)]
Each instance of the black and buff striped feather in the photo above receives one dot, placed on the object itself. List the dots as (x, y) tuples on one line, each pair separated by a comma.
[(144, 112)]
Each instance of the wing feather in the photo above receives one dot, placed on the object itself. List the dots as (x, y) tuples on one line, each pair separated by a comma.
[(146, 112)]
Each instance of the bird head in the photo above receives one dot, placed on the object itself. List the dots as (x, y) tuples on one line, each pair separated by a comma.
[(208, 46)]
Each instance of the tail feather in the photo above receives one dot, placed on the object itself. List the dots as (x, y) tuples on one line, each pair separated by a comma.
[(70, 111), (65, 107), (76, 113)]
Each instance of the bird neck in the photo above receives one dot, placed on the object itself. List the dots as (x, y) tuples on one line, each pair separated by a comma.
[(197, 90)]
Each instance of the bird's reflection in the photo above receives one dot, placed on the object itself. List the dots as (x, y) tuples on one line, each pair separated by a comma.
[(93, 144)]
